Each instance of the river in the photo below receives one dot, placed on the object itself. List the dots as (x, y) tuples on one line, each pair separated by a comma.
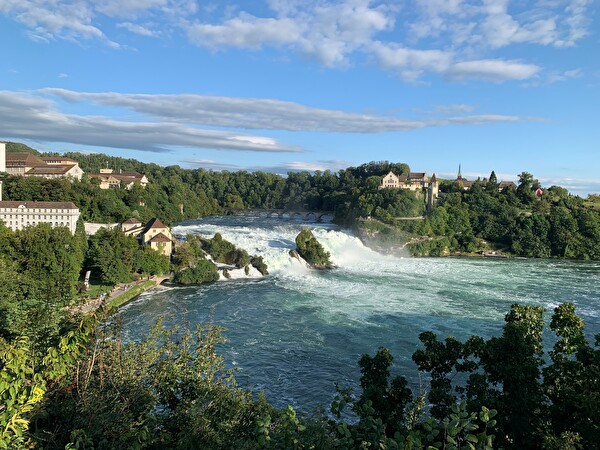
[(297, 332)]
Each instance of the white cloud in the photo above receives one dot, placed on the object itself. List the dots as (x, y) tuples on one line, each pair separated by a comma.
[(577, 22), (454, 109), (328, 32), (500, 29), (427, 36), (300, 166), (281, 168), (138, 29), (496, 70), (245, 31), (211, 164), (235, 112), (411, 63), (499, 23), (60, 19), (127, 8), (25, 116), (566, 75)]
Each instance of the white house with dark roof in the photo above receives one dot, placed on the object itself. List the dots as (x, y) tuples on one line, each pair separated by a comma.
[(155, 234), (110, 179)]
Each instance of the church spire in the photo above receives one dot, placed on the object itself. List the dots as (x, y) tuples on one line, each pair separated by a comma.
[(459, 176)]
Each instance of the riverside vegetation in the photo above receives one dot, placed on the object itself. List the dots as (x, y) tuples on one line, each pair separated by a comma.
[(70, 382), (482, 218), (193, 267)]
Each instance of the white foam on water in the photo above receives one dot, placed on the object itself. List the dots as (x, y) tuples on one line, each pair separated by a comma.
[(366, 283), (299, 330)]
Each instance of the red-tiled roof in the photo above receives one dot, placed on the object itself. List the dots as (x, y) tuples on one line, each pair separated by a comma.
[(132, 220), (17, 159), (126, 177), (49, 170), (155, 223), (160, 237)]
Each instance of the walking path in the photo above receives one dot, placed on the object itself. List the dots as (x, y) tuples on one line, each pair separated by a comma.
[(117, 291)]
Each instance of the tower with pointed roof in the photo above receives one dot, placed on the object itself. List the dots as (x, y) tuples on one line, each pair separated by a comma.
[(432, 191), (459, 176)]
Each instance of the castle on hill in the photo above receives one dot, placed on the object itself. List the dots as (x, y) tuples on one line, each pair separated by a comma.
[(414, 181)]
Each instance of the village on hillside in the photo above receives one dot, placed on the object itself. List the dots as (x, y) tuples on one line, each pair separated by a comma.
[(19, 214)]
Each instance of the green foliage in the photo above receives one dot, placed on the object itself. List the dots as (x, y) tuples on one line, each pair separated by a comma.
[(26, 380), (39, 270), (225, 252), (190, 261), (514, 220), (388, 400), (312, 251), (112, 256), (176, 194), (170, 390), (152, 262), (188, 253), (203, 272), (130, 294), (258, 263), (557, 225), (505, 373), (17, 147)]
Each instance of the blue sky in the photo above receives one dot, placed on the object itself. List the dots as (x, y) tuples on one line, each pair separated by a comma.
[(283, 85)]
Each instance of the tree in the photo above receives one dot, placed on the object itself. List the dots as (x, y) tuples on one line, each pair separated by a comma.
[(204, 271), (525, 190), (389, 400), (572, 382), (152, 262), (112, 256)]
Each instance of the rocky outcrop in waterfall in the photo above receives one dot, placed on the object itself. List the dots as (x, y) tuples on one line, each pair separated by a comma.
[(309, 248)]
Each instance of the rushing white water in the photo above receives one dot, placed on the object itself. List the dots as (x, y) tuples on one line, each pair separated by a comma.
[(298, 331)]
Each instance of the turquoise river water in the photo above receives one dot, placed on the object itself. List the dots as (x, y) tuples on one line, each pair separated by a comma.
[(297, 332)]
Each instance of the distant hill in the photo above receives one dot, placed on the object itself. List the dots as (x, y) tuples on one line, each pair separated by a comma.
[(14, 147)]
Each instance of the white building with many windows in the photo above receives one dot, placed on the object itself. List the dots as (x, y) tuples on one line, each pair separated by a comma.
[(17, 215)]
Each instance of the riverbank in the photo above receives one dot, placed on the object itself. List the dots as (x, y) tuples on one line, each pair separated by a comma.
[(120, 295), (389, 240)]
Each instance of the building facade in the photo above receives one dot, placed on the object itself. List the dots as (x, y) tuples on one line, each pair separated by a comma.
[(17, 215), (414, 181), (154, 234), (30, 165), (109, 179)]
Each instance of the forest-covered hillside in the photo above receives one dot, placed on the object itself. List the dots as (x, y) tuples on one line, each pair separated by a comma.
[(513, 221)]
